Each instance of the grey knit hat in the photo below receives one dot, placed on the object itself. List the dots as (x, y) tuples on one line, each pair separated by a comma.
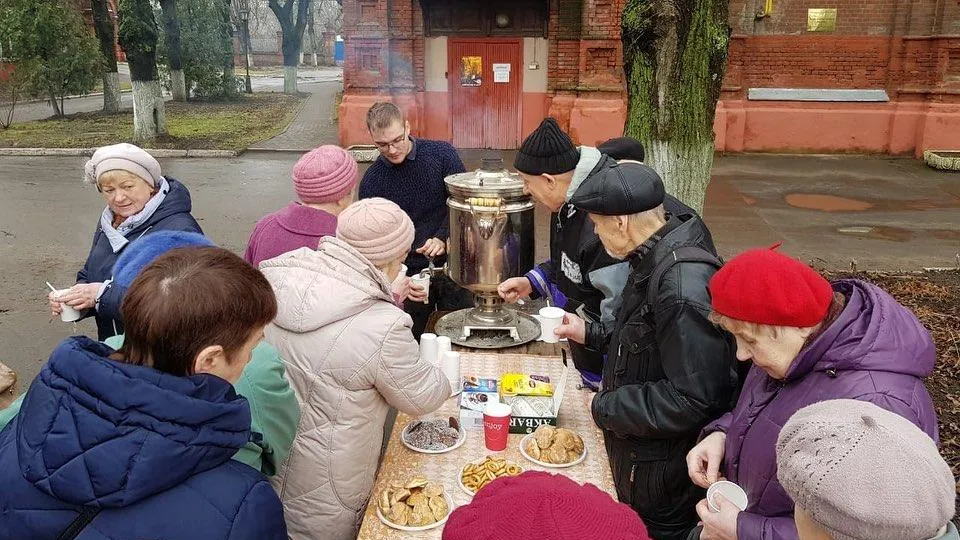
[(548, 150), (864, 473)]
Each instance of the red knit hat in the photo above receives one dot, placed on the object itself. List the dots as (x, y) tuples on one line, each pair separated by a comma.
[(541, 506), (764, 286)]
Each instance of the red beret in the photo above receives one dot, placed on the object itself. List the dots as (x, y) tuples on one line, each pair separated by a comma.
[(541, 506), (764, 286)]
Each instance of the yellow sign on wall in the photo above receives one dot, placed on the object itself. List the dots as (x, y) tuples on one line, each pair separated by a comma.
[(821, 19)]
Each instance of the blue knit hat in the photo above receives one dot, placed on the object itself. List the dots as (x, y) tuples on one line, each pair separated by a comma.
[(147, 248)]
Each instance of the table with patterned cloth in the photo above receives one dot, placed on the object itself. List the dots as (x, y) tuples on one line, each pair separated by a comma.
[(400, 464)]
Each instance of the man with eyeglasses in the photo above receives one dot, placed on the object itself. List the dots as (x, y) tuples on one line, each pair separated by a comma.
[(410, 172)]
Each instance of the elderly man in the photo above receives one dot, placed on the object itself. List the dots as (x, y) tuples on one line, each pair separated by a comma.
[(630, 149), (580, 276), (410, 172), (669, 370)]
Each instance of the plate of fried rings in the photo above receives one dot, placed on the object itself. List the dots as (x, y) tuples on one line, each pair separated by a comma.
[(477, 474)]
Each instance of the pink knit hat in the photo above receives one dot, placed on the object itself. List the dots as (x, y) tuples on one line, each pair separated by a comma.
[(325, 174), (377, 228)]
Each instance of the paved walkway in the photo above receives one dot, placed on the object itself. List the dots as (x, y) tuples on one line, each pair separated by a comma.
[(315, 125)]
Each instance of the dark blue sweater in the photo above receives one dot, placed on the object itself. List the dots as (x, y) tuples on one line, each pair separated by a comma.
[(417, 186)]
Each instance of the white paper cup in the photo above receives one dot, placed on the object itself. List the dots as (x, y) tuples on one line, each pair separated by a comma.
[(67, 313), (730, 491), (450, 366), (550, 319), (422, 280), (428, 348), (444, 345), (403, 270)]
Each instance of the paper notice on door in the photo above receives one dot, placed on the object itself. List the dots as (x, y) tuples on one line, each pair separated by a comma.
[(501, 73)]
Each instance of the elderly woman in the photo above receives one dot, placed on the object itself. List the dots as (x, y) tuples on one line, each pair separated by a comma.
[(810, 340), (139, 200), (136, 443), (350, 356)]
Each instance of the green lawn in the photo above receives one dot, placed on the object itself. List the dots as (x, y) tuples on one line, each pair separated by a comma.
[(228, 126)]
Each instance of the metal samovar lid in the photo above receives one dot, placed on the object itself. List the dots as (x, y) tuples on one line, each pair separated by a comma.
[(491, 180)]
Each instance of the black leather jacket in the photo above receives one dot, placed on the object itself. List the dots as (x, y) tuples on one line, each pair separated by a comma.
[(669, 371)]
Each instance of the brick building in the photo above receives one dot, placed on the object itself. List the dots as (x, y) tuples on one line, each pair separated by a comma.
[(87, 13), (803, 75)]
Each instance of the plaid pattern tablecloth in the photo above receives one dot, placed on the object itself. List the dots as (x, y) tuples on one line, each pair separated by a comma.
[(400, 463)]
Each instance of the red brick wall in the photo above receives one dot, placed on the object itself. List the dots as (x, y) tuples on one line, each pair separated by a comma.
[(800, 61)]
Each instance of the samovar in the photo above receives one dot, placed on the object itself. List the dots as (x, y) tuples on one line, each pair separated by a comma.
[(491, 240)]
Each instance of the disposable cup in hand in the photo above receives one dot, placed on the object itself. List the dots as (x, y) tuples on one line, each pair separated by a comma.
[(67, 313), (496, 426), (730, 491), (422, 280), (550, 319)]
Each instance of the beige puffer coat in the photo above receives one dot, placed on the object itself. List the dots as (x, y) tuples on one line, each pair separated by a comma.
[(350, 355)]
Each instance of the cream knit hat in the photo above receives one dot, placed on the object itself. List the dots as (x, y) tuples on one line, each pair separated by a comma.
[(864, 473), (379, 229)]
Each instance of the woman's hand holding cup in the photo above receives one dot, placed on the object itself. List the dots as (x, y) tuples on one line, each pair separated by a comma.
[(417, 293), (81, 296)]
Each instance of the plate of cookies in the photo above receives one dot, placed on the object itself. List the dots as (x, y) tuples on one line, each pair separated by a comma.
[(477, 474), (433, 435), (418, 505), (553, 447)]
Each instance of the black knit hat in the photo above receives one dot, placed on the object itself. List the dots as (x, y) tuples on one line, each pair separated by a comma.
[(620, 190), (623, 148), (548, 150)]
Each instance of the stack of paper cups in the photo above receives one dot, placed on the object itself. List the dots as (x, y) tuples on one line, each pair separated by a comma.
[(428, 348), (443, 346), (450, 366)]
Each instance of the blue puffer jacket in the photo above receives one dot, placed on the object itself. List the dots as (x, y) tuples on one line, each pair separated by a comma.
[(150, 450), (173, 214)]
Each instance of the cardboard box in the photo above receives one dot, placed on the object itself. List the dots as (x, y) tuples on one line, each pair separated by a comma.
[(476, 393), (529, 412)]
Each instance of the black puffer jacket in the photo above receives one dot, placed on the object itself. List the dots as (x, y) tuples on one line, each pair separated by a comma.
[(580, 268), (669, 371)]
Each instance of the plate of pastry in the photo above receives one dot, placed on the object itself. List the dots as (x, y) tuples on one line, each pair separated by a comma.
[(553, 447), (417, 505)]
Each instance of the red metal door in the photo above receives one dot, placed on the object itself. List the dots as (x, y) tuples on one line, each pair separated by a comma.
[(484, 81)]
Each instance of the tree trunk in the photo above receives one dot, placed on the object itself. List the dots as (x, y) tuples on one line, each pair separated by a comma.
[(103, 27), (178, 85), (292, 30), (138, 37), (289, 79), (171, 25), (229, 70), (149, 120), (675, 55), (55, 103), (311, 30)]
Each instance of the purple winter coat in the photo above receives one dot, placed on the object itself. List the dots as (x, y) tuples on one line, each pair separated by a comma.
[(875, 351), (287, 229)]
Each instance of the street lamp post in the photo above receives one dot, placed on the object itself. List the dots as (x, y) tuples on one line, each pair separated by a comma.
[(245, 17)]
